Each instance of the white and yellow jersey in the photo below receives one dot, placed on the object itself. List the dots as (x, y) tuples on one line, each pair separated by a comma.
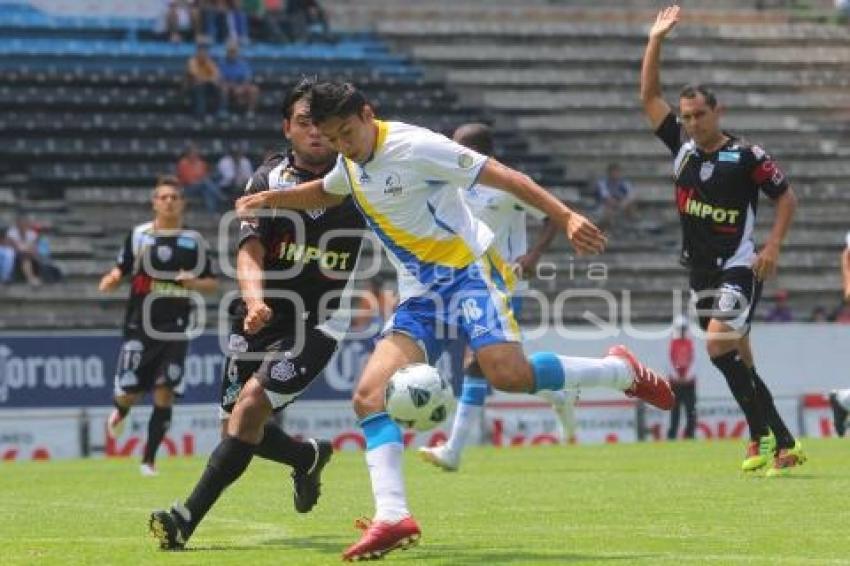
[(411, 193), (505, 215)]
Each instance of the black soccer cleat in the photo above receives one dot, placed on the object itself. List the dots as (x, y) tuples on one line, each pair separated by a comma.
[(839, 415), (307, 483), (169, 529)]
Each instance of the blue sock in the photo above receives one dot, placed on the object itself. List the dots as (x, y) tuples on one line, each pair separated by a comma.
[(379, 429), (548, 371), (473, 391)]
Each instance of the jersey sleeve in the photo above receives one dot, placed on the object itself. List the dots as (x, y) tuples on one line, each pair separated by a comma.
[(124, 262), (670, 132), (336, 181), (447, 161), (766, 174), (254, 227)]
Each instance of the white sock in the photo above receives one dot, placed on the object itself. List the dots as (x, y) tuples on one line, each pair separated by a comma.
[(610, 372), (843, 398), (555, 398), (466, 417), (385, 470), (563, 402)]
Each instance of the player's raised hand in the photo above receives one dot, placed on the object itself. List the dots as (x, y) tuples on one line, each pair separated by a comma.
[(257, 316), (585, 237), (664, 22)]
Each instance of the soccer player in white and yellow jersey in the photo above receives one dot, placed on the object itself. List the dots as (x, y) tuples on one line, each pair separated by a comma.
[(407, 182), (506, 217)]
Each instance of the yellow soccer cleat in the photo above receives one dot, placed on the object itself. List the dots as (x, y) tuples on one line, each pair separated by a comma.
[(786, 459), (759, 453)]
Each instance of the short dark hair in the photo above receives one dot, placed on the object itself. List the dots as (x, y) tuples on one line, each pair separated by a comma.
[(335, 100), (167, 181), (476, 136), (694, 90), (301, 89)]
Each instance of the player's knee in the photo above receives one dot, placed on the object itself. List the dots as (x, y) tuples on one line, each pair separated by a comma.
[(250, 413), (367, 400), (717, 347)]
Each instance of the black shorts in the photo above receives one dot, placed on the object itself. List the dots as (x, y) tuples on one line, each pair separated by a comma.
[(145, 363), (269, 357), (730, 296)]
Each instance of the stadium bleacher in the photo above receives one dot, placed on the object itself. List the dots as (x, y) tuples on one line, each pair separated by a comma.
[(93, 109)]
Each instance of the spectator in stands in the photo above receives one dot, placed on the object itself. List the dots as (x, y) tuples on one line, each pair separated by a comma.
[(234, 171), (237, 22), (213, 17), (24, 237), (179, 21), (7, 257), (237, 85), (615, 196), (297, 20), (819, 314), (193, 173), (205, 82), (780, 312)]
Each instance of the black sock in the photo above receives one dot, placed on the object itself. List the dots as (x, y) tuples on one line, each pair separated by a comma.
[(784, 438), (122, 410), (157, 426), (227, 462), (280, 447), (740, 380)]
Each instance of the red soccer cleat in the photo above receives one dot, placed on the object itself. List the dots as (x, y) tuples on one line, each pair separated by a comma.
[(381, 537), (647, 385)]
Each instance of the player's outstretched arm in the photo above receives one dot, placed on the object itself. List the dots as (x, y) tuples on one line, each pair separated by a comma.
[(300, 197), (654, 105), (765, 264), (585, 237)]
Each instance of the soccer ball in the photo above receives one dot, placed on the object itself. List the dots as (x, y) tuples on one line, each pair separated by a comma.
[(418, 397)]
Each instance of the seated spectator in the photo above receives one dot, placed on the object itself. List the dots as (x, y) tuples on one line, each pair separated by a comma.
[(204, 82), (297, 20), (24, 238), (237, 22), (615, 197), (234, 171), (193, 174), (819, 314), (7, 257), (236, 76), (179, 21), (780, 312), (213, 19)]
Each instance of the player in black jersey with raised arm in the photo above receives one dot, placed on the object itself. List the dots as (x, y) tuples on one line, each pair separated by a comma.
[(294, 269), (166, 264), (718, 178)]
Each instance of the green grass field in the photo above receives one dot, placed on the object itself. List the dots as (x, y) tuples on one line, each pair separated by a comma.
[(627, 504)]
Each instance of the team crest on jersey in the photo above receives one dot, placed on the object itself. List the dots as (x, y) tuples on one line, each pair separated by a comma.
[(465, 161), (392, 184), (164, 253), (314, 213), (174, 372), (706, 171), (283, 370)]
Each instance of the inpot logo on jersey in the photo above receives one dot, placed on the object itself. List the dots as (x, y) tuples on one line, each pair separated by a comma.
[(689, 204)]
